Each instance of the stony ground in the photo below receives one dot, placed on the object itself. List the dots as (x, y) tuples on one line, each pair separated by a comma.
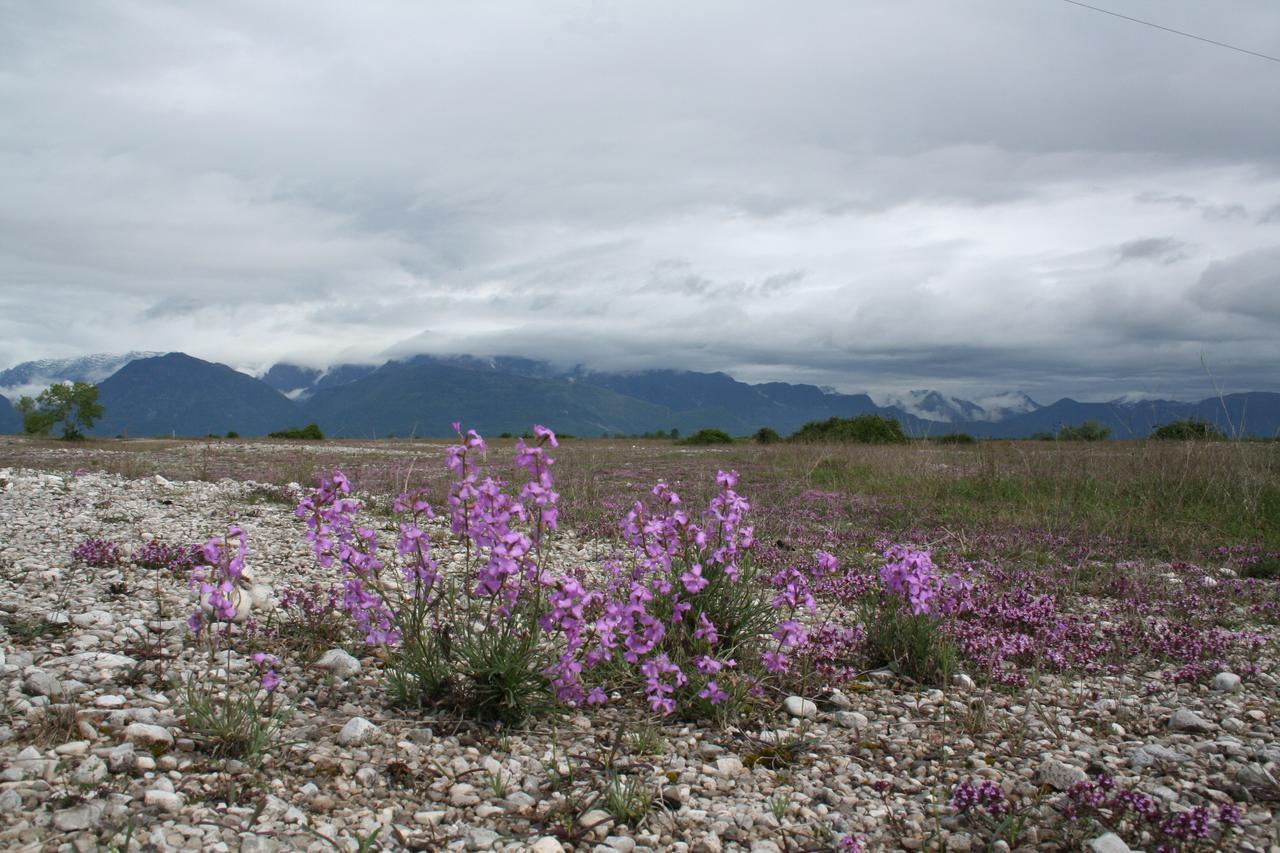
[(95, 750)]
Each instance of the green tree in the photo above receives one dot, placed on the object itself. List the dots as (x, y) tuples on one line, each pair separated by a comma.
[(867, 429), (1191, 429), (74, 405), (1087, 431)]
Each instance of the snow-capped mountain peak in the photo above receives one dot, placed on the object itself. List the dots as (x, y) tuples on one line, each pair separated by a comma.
[(32, 377), (939, 407)]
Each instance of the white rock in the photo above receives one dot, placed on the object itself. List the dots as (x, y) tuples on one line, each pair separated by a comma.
[(1153, 754), (480, 838), (1108, 843), (357, 731), (728, 767), (90, 772), (1060, 776), (77, 818), (41, 683), (463, 794), (167, 800), (1184, 720), (339, 663), (121, 758), (145, 734), (798, 706), (10, 801), (852, 720), (1226, 682), (546, 844), (963, 681)]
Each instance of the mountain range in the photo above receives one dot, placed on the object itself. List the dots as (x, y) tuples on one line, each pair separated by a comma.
[(147, 394)]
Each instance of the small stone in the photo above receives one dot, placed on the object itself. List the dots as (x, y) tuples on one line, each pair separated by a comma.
[(963, 681), (90, 772), (463, 794), (432, 818), (708, 843), (145, 734), (339, 663), (1153, 754), (596, 821), (73, 748), (10, 802), (729, 767), (356, 731), (111, 700), (1108, 843), (121, 758), (620, 843), (960, 843), (798, 706), (480, 838), (78, 818), (546, 844), (852, 720), (168, 801), (1226, 682), (1255, 776), (1184, 720), (40, 683), (1060, 776)]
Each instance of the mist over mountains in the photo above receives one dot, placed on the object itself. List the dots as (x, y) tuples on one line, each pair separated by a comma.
[(177, 394)]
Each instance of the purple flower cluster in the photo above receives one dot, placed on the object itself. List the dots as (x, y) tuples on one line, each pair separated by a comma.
[(179, 559), (97, 553), (1101, 799), (986, 794), (218, 577)]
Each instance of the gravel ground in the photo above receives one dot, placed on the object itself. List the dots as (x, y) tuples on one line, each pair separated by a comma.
[(95, 750)]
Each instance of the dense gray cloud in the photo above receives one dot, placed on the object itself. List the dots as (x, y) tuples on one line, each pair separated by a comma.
[(866, 195)]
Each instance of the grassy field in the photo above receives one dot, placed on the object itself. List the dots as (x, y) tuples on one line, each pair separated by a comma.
[(1164, 498)]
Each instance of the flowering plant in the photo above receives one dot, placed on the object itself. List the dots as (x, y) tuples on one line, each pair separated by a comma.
[(233, 720), (499, 634)]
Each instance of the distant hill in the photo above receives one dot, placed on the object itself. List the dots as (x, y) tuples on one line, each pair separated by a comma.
[(178, 394), (424, 396), (1256, 414), (299, 383), (10, 418), (698, 400)]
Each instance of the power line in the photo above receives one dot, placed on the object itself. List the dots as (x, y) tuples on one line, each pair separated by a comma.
[(1175, 32)]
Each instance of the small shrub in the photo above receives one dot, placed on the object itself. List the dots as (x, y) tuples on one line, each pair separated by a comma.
[(1087, 431), (956, 438), (627, 798), (864, 429), (231, 723), (1190, 429), (97, 553), (707, 436), (179, 559), (232, 434), (310, 431), (767, 435), (901, 627)]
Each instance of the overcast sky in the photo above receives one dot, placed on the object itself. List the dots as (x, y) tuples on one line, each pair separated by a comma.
[(970, 196)]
